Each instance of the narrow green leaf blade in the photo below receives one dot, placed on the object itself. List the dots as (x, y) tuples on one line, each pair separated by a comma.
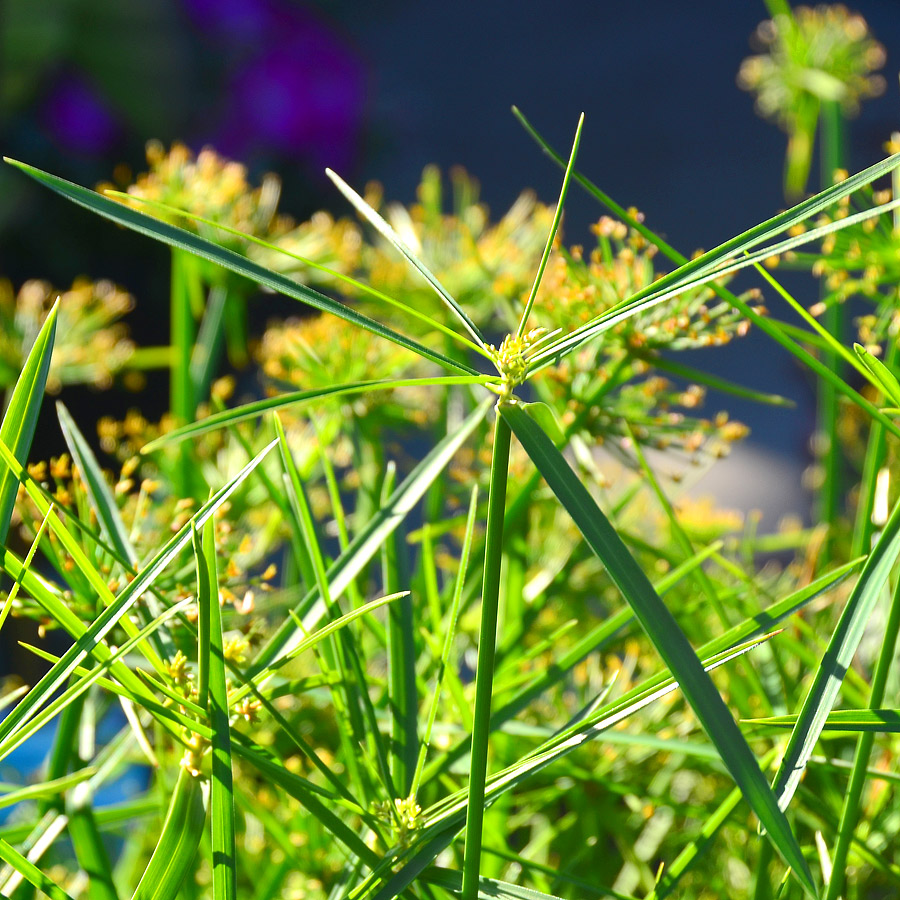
[(31, 873), (228, 259), (388, 233), (823, 692), (221, 803), (366, 543), (878, 720), (257, 408), (488, 888), (663, 631), (92, 636), (21, 415), (554, 227), (110, 520), (177, 846)]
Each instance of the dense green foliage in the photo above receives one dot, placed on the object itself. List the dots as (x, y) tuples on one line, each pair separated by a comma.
[(431, 613)]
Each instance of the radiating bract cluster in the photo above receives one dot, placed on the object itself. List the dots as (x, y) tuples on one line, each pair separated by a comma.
[(827, 51)]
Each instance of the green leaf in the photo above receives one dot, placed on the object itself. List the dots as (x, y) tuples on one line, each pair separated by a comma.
[(546, 419), (879, 374), (20, 419), (488, 888), (554, 227), (31, 873), (94, 634), (221, 802), (179, 839), (258, 408), (181, 239), (690, 276), (88, 845), (878, 720), (338, 276), (108, 516), (662, 629), (823, 692), (388, 233), (366, 544)]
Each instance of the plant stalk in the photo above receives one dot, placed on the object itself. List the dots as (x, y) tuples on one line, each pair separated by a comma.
[(850, 811), (487, 643), (831, 123), (181, 388)]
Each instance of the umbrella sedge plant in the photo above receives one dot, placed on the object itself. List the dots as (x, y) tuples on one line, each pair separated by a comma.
[(386, 745)]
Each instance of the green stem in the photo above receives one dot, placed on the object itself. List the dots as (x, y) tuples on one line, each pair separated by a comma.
[(484, 674), (181, 392), (863, 750), (829, 499), (876, 448)]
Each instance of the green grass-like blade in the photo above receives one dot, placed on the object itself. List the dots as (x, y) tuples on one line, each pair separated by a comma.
[(365, 545), (15, 794), (22, 411), (877, 720), (179, 839), (108, 516), (259, 407), (391, 236), (823, 692), (184, 240), (221, 801), (338, 276), (31, 873), (686, 278), (663, 630), (449, 634), (95, 633), (446, 817), (879, 375), (488, 888), (554, 227), (14, 591), (401, 654), (87, 843)]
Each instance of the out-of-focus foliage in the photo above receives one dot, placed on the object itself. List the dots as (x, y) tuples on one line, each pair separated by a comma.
[(810, 57)]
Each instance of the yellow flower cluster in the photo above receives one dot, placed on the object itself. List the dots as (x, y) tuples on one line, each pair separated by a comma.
[(92, 344), (212, 187)]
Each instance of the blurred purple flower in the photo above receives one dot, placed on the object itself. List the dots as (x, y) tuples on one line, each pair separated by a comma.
[(77, 117), (304, 95), (246, 22)]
